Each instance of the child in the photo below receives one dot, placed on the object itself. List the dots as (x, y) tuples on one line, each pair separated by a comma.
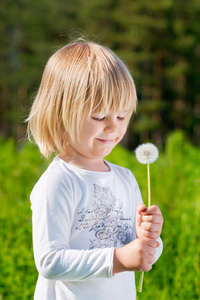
[(89, 224)]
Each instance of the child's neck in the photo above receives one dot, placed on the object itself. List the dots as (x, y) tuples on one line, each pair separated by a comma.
[(97, 165)]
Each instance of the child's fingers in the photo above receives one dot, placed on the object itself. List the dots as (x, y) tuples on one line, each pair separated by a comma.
[(152, 214), (152, 243), (151, 230), (149, 221), (149, 234), (152, 218), (151, 227), (152, 210)]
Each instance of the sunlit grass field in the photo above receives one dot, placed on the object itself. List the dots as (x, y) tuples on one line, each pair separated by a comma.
[(175, 187)]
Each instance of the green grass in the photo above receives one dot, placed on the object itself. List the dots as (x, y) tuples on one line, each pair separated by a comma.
[(175, 184)]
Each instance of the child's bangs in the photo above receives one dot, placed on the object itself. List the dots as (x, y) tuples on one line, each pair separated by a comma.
[(110, 87), (117, 94)]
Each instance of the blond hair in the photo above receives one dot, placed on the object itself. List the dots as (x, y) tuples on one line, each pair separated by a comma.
[(78, 79)]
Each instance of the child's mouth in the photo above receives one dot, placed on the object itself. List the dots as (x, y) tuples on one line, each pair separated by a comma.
[(106, 141)]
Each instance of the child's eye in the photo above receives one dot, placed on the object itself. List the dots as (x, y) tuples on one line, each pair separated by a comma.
[(121, 118), (98, 119)]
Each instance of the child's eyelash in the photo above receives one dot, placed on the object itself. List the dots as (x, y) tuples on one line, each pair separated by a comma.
[(98, 119), (101, 119)]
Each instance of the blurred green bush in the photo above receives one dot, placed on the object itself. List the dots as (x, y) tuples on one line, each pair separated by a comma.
[(175, 183)]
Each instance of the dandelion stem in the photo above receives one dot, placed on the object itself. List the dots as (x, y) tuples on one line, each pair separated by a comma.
[(149, 204), (141, 281), (149, 185)]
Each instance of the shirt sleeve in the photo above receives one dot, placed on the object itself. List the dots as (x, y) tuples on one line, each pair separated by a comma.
[(52, 217)]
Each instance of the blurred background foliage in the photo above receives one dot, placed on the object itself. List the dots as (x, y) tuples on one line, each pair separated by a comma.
[(158, 40)]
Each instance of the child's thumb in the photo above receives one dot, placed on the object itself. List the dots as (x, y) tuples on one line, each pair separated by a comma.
[(141, 208)]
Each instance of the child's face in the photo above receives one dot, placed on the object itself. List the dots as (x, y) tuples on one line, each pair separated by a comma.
[(100, 134)]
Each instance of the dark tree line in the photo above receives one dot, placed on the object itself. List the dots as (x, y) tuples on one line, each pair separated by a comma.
[(159, 40)]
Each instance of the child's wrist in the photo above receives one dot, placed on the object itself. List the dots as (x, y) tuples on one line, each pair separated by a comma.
[(117, 263)]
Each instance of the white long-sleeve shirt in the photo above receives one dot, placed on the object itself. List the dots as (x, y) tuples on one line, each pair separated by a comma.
[(79, 217)]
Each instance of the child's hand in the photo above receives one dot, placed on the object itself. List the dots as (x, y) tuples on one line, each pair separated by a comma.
[(149, 221), (135, 256)]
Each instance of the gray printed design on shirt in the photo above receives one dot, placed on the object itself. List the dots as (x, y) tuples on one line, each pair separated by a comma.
[(106, 219)]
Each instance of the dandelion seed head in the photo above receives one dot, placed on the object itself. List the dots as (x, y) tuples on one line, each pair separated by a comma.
[(146, 153)]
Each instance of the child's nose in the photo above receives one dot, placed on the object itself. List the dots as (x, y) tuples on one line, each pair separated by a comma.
[(108, 130), (111, 127)]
